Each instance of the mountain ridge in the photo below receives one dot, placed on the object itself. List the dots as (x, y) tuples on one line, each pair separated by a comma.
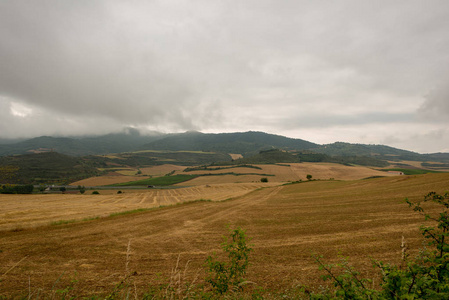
[(245, 143)]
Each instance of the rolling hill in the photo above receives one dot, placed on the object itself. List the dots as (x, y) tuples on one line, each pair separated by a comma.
[(244, 143), (49, 167)]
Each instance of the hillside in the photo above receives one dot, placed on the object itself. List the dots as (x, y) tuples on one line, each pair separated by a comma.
[(381, 152), (273, 156), (155, 158), (93, 145), (246, 143), (49, 167)]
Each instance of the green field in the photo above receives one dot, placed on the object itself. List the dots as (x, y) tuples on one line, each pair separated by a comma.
[(159, 181), (412, 171)]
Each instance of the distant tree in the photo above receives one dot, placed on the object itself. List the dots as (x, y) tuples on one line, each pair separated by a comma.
[(42, 188), (264, 179), (309, 177), (62, 189), (82, 189)]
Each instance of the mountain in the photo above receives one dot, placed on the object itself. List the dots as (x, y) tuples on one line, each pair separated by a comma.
[(380, 152), (245, 143), (94, 145)]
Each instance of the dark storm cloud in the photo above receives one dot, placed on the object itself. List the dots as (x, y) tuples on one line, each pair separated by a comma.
[(223, 66)]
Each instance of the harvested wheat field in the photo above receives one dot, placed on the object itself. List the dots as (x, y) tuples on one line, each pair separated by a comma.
[(363, 219), (161, 170), (106, 180), (275, 173), (284, 173), (25, 211)]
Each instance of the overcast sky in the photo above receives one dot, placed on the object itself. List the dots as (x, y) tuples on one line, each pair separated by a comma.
[(374, 72)]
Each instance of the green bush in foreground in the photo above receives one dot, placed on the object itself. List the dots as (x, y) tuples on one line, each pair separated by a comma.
[(229, 275)]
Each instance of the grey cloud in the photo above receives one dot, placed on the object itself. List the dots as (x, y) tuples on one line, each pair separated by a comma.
[(66, 59), (327, 119), (436, 105), (181, 65)]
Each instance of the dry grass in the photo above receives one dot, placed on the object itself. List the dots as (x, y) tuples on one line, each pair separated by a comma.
[(106, 180), (281, 174), (161, 170), (25, 211), (235, 156), (363, 219), (286, 173)]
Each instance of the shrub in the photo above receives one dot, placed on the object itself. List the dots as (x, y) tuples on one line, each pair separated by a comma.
[(229, 275), (82, 189), (264, 179), (95, 193)]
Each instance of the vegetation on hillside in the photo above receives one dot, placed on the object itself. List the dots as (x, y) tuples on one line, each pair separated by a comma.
[(16, 189), (411, 171), (277, 156), (49, 167), (380, 152), (159, 181), (154, 158), (307, 156), (245, 143), (90, 145)]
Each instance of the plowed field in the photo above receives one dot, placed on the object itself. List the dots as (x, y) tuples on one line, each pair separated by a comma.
[(363, 219)]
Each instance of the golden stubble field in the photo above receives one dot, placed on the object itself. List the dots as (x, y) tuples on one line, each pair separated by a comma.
[(27, 211), (362, 219), (278, 173)]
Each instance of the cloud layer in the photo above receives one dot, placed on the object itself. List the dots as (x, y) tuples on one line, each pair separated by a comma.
[(356, 71)]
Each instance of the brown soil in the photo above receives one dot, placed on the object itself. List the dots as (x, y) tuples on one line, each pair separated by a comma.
[(363, 219)]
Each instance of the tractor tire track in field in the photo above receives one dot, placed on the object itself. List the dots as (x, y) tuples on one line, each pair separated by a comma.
[(37, 210), (183, 229)]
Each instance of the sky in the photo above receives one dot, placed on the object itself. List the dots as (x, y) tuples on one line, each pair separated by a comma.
[(358, 71)]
